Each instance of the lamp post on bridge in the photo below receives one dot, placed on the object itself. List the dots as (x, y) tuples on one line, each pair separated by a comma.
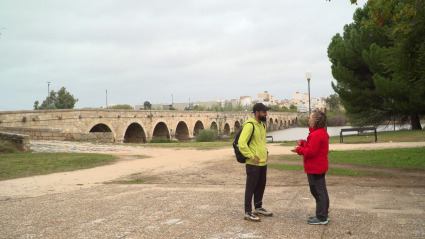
[(106, 98), (48, 95), (308, 75)]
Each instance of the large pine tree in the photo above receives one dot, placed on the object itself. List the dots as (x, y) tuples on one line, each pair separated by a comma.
[(372, 86)]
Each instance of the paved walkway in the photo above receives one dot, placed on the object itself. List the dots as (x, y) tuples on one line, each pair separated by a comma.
[(192, 202)]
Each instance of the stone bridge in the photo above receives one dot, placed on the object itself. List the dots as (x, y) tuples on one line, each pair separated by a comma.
[(132, 126)]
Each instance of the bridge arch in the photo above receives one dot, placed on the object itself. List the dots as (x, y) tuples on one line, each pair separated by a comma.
[(237, 127), (226, 129), (213, 125), (100, 127), (198, 126), (161, 131), (134, 134), (182, 131)]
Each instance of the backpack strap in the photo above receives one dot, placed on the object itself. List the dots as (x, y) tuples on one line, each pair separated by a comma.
[(253, 128)]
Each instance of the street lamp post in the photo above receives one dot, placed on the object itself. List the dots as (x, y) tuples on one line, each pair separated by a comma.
[(308, 75), (48, 95), (106, 98)]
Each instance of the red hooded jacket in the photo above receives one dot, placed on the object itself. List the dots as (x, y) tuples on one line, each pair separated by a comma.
[(315, 151)]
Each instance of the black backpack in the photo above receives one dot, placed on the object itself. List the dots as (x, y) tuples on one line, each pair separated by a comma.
[(239, 156)]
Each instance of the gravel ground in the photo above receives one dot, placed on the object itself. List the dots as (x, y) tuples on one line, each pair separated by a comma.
[(205, 200)]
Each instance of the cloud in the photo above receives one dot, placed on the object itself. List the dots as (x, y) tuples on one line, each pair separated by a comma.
[(148, 50)]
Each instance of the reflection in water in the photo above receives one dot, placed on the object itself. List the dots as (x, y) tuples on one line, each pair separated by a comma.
[(302, 132)]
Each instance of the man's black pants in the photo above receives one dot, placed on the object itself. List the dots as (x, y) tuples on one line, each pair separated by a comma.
[(255, 185), (318, 189)]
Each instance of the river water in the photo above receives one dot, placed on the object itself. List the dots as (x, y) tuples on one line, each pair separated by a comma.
[(302, 132)]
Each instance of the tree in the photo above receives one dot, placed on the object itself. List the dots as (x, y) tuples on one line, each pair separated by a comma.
[(36, 103), (147, 105), (292, 107), (379, 73), (403, 85), (121, 107), (198, 108), (333, 102), (355, 85), (57, 100)]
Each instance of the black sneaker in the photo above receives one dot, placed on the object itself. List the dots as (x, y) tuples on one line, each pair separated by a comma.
[(316, 221), (250, 216), (263, 212)]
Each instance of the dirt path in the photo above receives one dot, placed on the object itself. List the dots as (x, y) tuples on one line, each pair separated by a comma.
[(189, 166)]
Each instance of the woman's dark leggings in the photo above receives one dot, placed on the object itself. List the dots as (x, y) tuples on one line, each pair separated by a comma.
[(318, 189)]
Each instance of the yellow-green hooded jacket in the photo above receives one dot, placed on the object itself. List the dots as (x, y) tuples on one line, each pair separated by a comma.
[(257, 147)]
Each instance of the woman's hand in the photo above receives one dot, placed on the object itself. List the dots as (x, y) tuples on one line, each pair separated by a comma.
[(294, 150), (298, 142)]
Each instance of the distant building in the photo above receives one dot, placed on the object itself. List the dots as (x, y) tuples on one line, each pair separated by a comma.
[(300, 96), (246, 100), (266, 98)]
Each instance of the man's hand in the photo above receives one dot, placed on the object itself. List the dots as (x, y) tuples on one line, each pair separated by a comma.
[(298, 142), (294, 150), (256, 160)]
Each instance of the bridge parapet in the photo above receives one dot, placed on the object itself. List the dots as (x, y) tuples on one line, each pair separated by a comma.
[(138, 126)]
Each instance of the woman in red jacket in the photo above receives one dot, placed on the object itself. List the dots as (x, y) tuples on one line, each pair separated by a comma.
[(315, 152)]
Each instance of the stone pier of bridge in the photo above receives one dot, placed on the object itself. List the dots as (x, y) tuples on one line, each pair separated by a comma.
[(130, 126)]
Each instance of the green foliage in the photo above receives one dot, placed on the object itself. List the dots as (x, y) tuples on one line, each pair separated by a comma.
[(57, 100), (292, 107), (198, 108), (147, 105), (355, 60), (121, 107), (7, 147), (162, 140), (333, 102), (303, 121), (207, 135), (379, 61)]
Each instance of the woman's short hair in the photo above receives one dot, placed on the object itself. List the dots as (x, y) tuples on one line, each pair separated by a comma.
[(319, 119)]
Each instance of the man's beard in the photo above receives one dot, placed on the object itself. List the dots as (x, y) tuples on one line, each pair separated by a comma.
[(262, 118)]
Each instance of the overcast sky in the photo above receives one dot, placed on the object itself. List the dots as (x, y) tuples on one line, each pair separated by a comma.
[(149, 50)]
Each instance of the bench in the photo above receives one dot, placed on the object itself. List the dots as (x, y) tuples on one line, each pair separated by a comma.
[(268, 137), (341, 140)]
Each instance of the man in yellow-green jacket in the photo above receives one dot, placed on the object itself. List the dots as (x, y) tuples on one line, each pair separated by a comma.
[(256, 162)]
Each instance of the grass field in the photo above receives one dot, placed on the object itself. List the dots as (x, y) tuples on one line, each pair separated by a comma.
[(331, 171), (409, 158), (18, 165), (386, 136)]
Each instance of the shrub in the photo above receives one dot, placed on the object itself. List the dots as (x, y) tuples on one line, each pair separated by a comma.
[(7, 147), (162, 140), (303, 121), (207, 135), (337, 120)]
